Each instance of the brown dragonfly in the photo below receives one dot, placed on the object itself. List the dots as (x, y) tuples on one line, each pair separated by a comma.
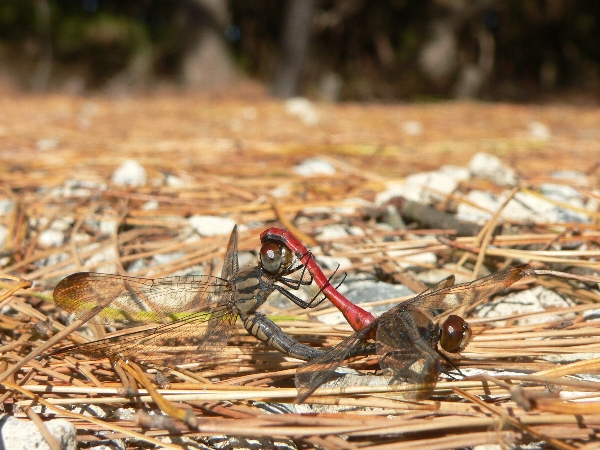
[(212, 303), (406, 337)]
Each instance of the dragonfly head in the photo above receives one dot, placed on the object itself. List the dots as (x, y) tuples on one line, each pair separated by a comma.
[(454, 334), (274, 257)]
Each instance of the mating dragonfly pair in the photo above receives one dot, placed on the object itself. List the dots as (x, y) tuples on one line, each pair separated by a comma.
[(406, 339)]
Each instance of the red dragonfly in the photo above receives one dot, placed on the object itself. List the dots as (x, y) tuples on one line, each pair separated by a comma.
[(357, 317), (404, 338), (217, 301)]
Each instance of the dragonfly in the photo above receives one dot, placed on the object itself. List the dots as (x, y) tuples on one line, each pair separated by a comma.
[(215, 302), (356, 316), (406, 339)]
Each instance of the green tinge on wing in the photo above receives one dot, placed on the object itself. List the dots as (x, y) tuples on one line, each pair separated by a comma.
[(116, 315)]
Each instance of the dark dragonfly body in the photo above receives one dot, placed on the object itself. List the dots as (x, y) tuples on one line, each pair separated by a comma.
[(214, 303), (408, 342), (252, 288)]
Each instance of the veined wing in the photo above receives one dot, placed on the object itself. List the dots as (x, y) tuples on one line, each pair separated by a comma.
[(311, 375), (130, 300), (405, 354), (199, 336), (230, 263), (140, 300), (443, 297)]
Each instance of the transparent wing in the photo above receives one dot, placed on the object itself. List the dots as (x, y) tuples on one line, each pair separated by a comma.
[(230, 264), (197, 337), (313, 374), (129, 300), (405, 353), (444, 296)]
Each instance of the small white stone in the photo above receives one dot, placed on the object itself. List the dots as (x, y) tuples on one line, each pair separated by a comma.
[(3, 236), (173, 181), (469, 213), (314, 167), (47, 144), (571, 175), (432, 185), (130, 173), (150, 205), (51, 238), (350, 205), (211, 225), (404, 261), (395, 190), (54, 259), (331, 233), (562, 193), (339, 263), (24, 435), (303, 109), (62, 224), (79, 188), (107, 226), (538, 130), (593, 204), (528, 207), (412, 127), (591, 314), (423, 187), (489, 167), (562, 358), (314, 211), (356, 231), (137, 265), (124, 413), (101, 256), (434, 276), (457, 172), (64, 431), (6, 206), (281, 191), (538, 299), (166, 258)]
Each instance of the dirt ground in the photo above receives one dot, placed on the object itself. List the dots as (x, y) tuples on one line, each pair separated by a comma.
[(53, 137), (227, 155)]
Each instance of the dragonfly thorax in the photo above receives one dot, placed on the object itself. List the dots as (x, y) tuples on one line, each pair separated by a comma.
[(251, 288)]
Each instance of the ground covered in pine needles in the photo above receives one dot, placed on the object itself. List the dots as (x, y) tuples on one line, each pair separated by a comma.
[(338, 176)]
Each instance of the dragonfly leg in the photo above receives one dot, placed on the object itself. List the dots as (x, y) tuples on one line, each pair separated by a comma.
[(294, 298), (449, 361), (313, 302), (316, 302), (295, 284)]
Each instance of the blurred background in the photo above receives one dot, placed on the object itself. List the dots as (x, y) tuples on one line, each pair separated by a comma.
[(336, 50)]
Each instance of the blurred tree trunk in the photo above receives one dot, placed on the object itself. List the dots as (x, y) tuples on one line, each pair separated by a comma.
[(295, 40), (43, 69), (208, 63)]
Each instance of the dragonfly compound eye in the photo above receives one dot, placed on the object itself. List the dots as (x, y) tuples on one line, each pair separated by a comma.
[(270, 257), (455, 334), (286, 257)]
